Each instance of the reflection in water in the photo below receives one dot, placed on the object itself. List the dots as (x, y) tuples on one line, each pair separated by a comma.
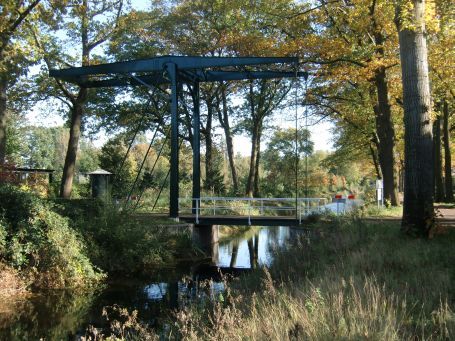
[(254, 249), (58, 315), (55, 315)]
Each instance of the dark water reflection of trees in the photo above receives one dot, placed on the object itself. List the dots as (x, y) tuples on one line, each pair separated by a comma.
[(63, 315)]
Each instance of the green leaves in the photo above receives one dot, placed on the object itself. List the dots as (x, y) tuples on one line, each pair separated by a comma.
[(38, 240)]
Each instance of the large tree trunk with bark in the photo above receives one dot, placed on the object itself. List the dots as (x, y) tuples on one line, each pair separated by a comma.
[(3, 113), (418, 212), (69, 168), (447, 155), (439, 188), (384, 125), (224, 121), (386, 136)]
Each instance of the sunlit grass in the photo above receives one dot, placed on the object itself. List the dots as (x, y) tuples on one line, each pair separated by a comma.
[(383, 212)]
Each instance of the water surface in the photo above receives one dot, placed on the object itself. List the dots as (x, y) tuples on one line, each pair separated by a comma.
[(65, 314)]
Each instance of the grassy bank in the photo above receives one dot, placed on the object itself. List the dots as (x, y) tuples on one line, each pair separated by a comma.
[(352, 280)]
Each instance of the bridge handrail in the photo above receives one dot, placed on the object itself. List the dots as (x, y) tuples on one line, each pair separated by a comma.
[(303, 207), (252, 199)]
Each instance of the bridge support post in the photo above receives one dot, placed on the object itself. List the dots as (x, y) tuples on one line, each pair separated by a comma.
[(206, 238), (196, 149), (174, 180)]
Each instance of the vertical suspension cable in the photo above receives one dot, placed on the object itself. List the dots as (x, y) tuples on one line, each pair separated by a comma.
[(142, 164), (307, 138), (151, 172), (139, 126), (296, 145)]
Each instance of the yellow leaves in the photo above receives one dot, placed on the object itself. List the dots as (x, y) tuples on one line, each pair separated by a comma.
[(409, 17)]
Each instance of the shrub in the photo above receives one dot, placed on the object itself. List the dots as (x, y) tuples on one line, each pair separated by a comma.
[(122, 243), (37, 240)]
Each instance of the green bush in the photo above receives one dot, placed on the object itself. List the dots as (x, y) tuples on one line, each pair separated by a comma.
[(39, 241), (121, 243)]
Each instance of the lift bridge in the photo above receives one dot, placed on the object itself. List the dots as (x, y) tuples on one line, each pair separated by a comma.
[(174, 72)]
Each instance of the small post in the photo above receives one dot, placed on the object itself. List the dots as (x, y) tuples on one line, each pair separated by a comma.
[(249, 212), (197, 210)]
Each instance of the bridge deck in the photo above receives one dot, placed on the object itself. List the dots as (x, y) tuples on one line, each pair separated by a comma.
[(229, 220), (242, 220)]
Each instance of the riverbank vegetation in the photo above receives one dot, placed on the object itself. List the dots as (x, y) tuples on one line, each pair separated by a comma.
[(352, 279), (56, 244), (40, 243)]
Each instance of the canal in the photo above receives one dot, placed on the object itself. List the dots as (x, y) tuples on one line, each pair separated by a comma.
[(66, 315)]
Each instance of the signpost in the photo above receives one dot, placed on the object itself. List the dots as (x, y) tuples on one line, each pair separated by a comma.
[(380, 192)]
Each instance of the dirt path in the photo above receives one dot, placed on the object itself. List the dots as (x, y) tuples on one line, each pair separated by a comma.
[(446, 214)]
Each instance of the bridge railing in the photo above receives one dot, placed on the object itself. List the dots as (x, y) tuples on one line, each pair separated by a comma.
[(251, 207)]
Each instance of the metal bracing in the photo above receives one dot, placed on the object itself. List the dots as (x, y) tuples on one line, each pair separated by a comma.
[(175, 71), (174, 180), (196, 145), (188, 77), (159, 63)]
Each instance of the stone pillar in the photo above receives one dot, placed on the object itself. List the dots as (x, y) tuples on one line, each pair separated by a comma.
[(206, 238)]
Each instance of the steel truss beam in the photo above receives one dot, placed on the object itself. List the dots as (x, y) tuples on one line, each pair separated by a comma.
[(158, 64)]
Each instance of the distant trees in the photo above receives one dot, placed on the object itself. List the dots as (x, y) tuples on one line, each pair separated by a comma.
[(14, 55), (281, 162), (88, 25), (350, 49), (113, 158)]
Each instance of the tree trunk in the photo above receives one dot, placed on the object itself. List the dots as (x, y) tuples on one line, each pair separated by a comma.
[(447, 155), (209, 147), (256, 192), (251, 252), (254, 153), (250, 182), (235, 251), (224, 121), (386, 137), (73, 144), (418, 213), (439, 189), (375, 162), (3, 113), (77, 112)]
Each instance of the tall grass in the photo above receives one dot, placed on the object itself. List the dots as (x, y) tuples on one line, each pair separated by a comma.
[(353, 280)]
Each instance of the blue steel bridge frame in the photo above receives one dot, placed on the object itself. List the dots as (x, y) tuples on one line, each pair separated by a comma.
[(176, 71)]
